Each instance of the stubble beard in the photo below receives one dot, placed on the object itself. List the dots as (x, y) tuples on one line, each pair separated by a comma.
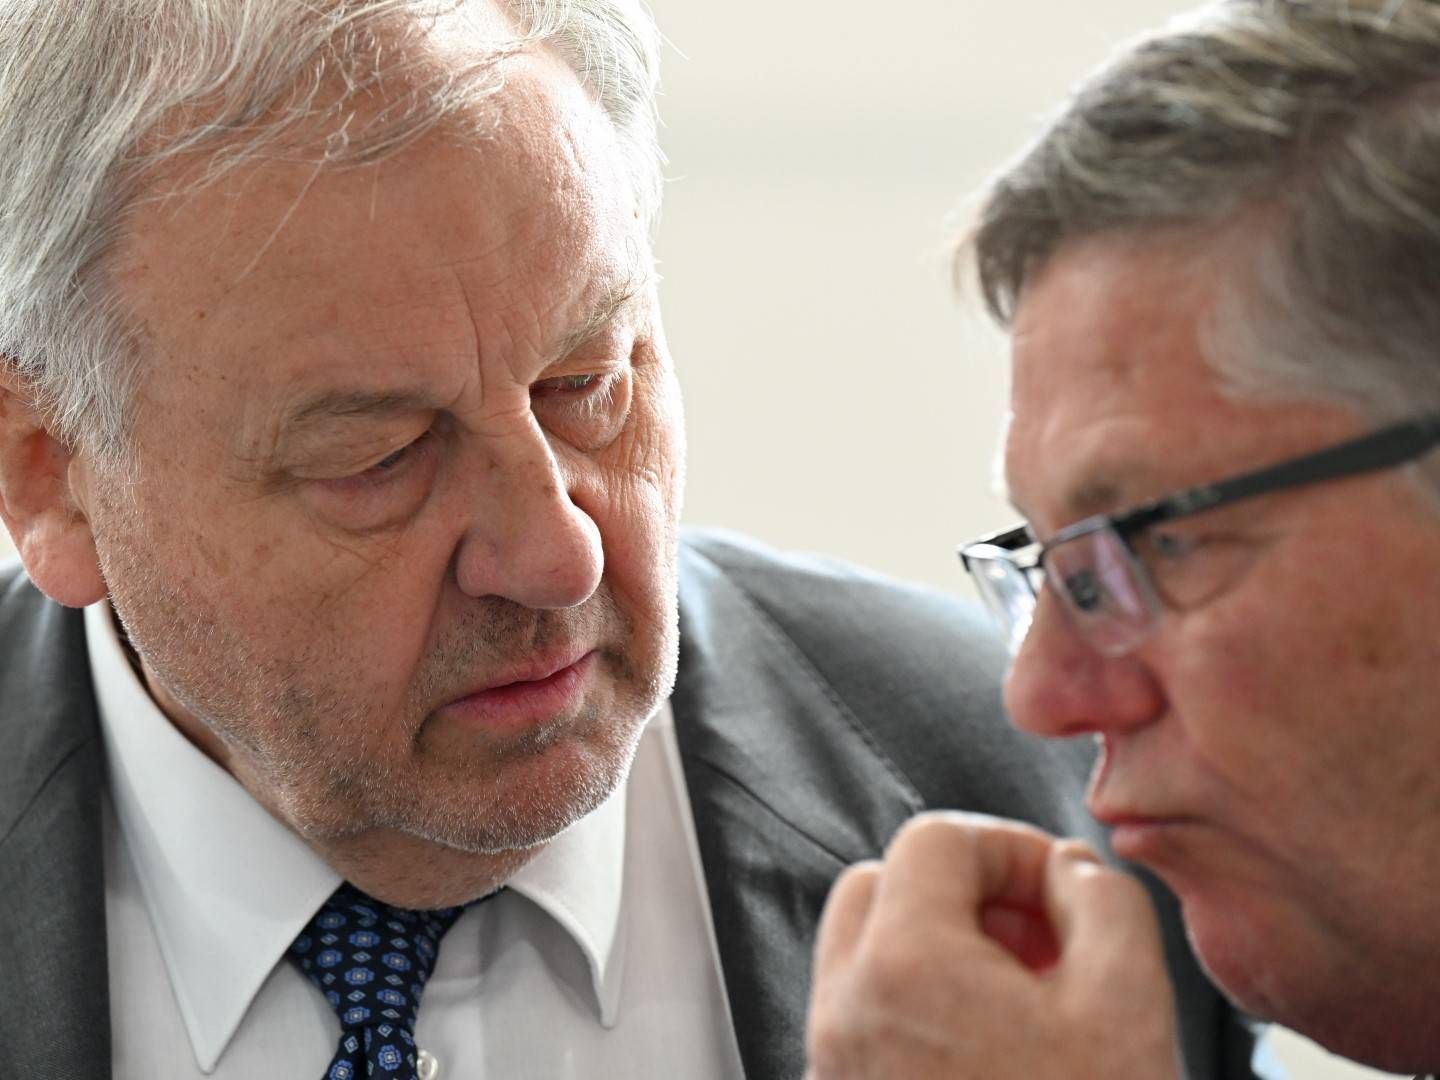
[(281, 728)]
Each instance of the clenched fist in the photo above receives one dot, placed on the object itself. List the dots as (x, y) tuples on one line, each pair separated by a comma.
[(982, 949)]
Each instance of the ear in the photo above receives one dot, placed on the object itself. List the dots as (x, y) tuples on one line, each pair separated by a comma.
[(38, 501)]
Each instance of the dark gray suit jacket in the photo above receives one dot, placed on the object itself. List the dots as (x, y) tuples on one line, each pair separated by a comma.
[(816, 709)]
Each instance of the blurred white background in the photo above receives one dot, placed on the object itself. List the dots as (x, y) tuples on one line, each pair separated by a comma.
[(839, 397)]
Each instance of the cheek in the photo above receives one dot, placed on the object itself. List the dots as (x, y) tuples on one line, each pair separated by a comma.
[(652, 447), (634, 497), (1284, 690), (356, 613), (1225, 689)]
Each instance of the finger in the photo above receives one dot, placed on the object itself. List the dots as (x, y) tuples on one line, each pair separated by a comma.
[(947, 866), (1111, 949), (1101, 916), (1024, 932), (843, 922)]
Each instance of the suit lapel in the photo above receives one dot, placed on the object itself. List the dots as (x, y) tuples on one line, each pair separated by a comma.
[(56, 1022), (785, 792)]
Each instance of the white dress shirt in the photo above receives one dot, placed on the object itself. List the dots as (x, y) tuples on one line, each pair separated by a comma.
[(598, 960)]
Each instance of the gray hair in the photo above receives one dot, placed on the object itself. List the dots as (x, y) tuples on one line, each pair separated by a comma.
[(1302, 136), (94, 94)]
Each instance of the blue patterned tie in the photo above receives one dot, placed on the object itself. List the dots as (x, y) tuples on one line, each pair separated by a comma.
[(371, 961)]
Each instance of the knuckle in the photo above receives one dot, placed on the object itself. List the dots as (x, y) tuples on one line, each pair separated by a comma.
[(892, 968), (924, 831), (858, 877), (960, 830)]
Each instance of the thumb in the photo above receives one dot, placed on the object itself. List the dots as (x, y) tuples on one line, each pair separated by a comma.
[(1102, 918), (1110, 952)]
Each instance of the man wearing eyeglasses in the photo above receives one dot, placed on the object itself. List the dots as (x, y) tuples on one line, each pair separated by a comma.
[(1221, 268)]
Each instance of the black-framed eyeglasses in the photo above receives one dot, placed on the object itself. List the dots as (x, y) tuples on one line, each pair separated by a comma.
[(1093, 565)]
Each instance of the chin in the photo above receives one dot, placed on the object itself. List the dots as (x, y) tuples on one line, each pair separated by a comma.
[(528, 799), (1268, 968)]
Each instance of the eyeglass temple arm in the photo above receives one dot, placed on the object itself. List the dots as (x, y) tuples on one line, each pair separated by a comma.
[(1382, 449)]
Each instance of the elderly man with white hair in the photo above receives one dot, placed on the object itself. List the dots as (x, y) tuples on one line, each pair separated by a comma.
[(1221, 268)]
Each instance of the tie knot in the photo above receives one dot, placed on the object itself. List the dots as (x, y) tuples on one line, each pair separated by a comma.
[(371, 961)]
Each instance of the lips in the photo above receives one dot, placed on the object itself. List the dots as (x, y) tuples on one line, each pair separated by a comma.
[(530, 695), (535, 670), (1137, 836), (1115, 818), (1138, 821)]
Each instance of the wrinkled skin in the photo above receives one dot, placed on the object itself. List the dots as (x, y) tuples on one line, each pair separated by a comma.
[(1269, 751), (494, 479)]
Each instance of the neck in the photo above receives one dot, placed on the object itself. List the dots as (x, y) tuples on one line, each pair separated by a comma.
[(411, 873)]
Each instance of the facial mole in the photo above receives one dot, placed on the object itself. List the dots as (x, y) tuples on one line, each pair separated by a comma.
[(1371, 656)]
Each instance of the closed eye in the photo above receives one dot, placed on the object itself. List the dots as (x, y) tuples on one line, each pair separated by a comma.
[(387, 464), (586, 410), (393, 467), (578, 388), (395, 462)]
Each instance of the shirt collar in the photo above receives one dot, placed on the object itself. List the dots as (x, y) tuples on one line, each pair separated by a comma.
[(578, 880), (223, 923)]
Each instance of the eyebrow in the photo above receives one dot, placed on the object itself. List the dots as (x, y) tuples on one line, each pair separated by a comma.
[(1104, 493), (348, 404), (1097, 495), (614, 303)]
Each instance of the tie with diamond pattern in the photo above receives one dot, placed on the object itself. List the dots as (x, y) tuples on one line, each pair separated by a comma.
[(371, 961)]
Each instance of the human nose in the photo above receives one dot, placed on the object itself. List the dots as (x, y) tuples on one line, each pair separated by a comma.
[(1060, 685), (529, 542)]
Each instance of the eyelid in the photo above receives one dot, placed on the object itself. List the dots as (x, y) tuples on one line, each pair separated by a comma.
[(599, 369), (1162, 536), (599, 391), (371, 475), (563, 382)]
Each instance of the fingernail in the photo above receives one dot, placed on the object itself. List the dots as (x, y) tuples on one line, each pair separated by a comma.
[(1078, 851)]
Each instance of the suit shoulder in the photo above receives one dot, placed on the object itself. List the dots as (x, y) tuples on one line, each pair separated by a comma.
[(919, 670), (904, 659), (853, 612)]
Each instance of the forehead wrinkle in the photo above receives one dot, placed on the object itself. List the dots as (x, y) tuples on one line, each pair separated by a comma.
[(617, 301)]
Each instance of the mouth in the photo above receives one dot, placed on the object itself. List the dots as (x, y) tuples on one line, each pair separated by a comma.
[(1137, 836), (526, 697), (1138, 832)]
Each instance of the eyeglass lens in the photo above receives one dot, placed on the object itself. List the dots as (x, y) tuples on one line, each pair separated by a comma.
[(1106, 589), (1006, 591)]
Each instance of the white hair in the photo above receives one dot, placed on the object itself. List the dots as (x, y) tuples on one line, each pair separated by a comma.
[(94, 94)]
